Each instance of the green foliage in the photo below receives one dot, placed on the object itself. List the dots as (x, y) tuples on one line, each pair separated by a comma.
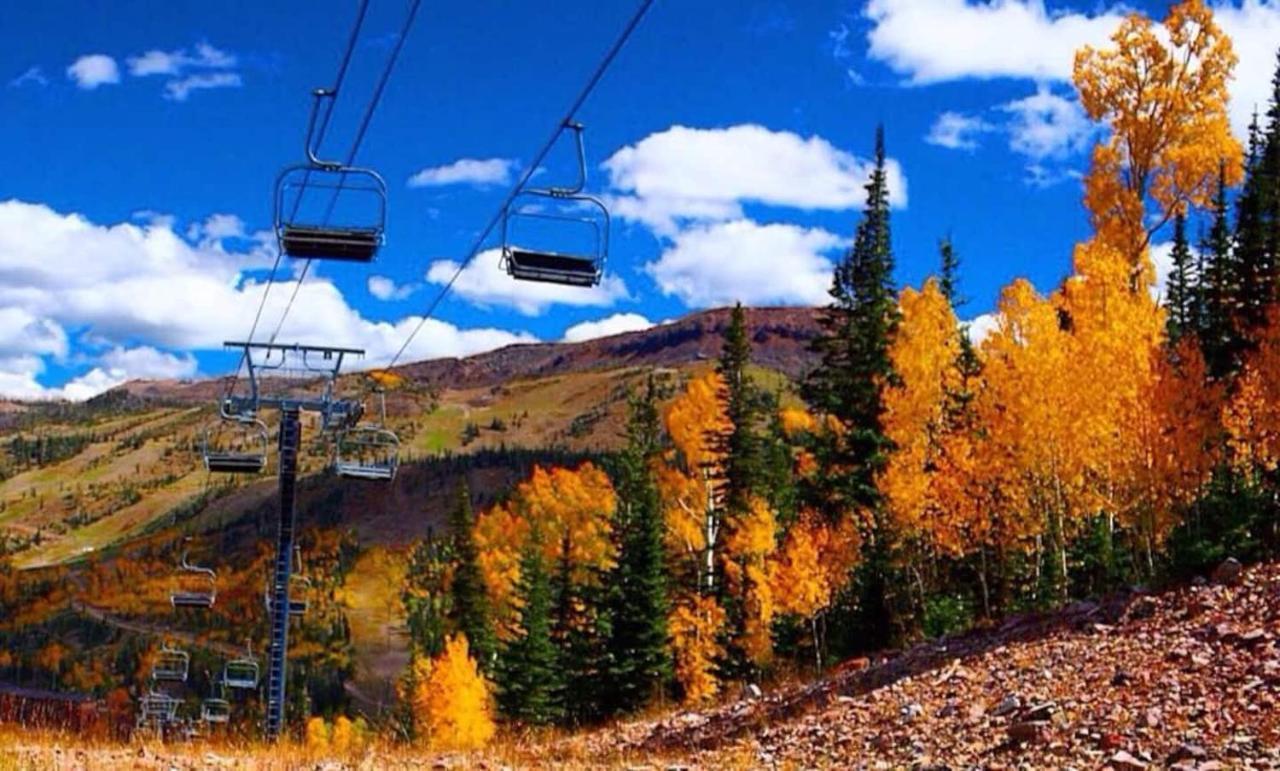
[(1227, 521), (530, 688), (427, 599), (946, 614), (639, 658), (1181, 301), (469, 611)]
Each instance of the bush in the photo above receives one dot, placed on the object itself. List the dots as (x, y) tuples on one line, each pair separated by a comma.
[(946, 614)]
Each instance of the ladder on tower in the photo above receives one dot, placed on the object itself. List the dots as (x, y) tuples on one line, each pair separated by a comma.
[(290, 439)]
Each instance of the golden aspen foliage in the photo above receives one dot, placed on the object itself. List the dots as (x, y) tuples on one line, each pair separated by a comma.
[(1251, 417), (317, 735), (573, 509), (453, 708), (695, 625), (924, 352), (1163, 94), (751, 540), (813, 564)]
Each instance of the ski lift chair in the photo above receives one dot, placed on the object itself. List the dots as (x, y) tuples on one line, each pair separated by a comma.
[(157, 707), (557, 207), (299, 588), (314, 235), (368, 451), (215, 708), (172, 665), (242, 673), (240, 446), (195, 586)]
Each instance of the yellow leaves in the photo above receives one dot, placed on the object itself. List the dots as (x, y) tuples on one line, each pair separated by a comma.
[(1252, 416), (812, 564), (452, 706), (386, 379), (752, 538), (317, 735), (694, 417), (796, 421), (695, 624), (572, 508), (1166, 106)]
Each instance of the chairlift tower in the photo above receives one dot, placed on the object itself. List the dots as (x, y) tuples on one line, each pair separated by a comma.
[(290, 379)]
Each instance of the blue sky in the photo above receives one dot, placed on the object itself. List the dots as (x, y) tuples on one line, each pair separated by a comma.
[(730, 138)]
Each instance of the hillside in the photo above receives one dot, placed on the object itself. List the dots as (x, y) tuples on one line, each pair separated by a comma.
[(127, 462), (1188, 680)]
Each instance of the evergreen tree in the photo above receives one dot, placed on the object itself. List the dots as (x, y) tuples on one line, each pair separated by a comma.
[(1220, 340), (529, 686), (427, 599), (470, 602), (847, 386), (949, 273), (1253, 254), (740, 443), (639, 656), (1180, 302)]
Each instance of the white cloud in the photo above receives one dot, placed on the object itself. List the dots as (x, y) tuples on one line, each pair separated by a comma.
[(466, 171), (687, 174), (933, 41), (957, 131), (981, 326), (33, 75), (157, 62), (1162, 258), (139, 289), (721, 263), (610, 325), (930, 41), (385, 289), (1047, 126), (485, 283), (179, 90), (94, 70)]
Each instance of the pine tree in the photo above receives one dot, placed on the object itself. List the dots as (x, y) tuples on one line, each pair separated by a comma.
[(528, 675), (1182, 284), (949, 273), (470, 602), (1251, 248), (847, 386), (427, 599), (1221, 341), (639, 654), (740, 443)]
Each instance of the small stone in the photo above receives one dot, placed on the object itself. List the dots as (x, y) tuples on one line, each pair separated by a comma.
[(1039, 712), (1007, 706), (1229, 572), (1142, 608), (911, 711), (1123, 760), (1187, 752), (1028, 732), (1121, 678)]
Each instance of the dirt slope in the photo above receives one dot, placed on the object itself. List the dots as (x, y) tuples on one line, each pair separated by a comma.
[(1189, 679)]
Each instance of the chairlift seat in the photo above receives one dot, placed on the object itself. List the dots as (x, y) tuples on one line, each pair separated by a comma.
[(184, 599), (552, 268), (241, 673), (330, 243), (159, 706), (377, 472), (235, 462), (171, 664), (215, 710)]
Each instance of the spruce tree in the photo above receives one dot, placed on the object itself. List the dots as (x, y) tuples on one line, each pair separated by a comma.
[(847, 386), (529, 686), (740, 477), (949, 273), (1180, 302), (427, 599), (470, 602), (1220, 341), (639, 657), (1253, 254)]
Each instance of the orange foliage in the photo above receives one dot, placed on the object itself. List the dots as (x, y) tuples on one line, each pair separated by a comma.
[(695, 624), (452, 705), (812, 564)]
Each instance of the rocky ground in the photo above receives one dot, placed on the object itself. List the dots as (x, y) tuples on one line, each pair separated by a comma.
[(1189, 680)]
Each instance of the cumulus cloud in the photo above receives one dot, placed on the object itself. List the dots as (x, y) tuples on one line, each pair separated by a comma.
[(204, 68), (387, 290), (687, 174), (933, 41), (484, 282), (466, 171), (957, 131), (609, 325), (94, 70), (142, 291), (981, 326), (1047, 126), (744, 261)]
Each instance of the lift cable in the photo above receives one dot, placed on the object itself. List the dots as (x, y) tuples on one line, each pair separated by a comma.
[(324, 125), (374, 101), (529, 170)]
